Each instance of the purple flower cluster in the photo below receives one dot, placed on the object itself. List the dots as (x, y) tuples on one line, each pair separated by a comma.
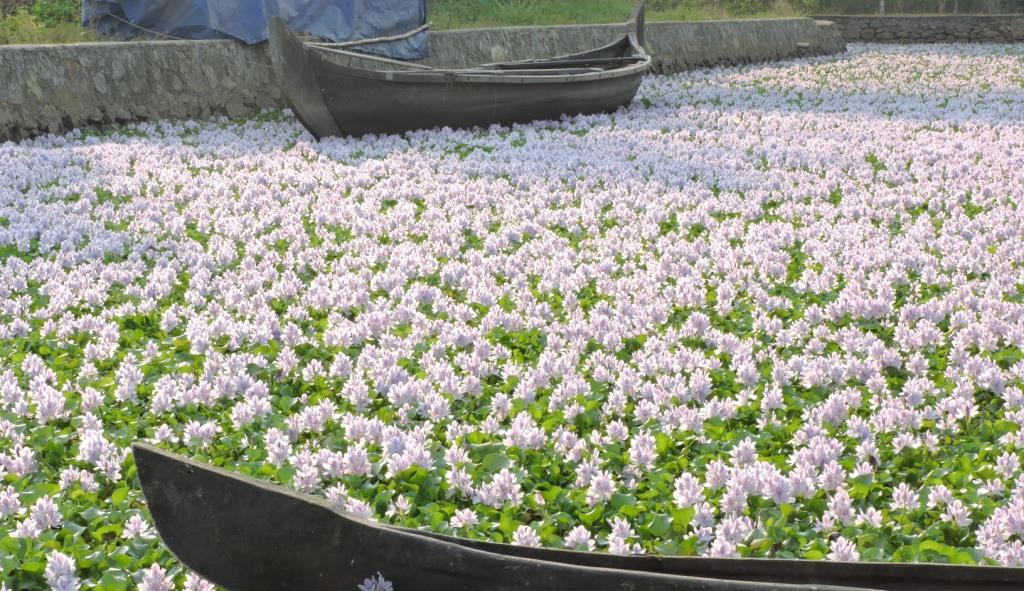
[(788, 292)]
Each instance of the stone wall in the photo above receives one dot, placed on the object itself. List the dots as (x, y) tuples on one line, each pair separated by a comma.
[(54, 88), (1006, 28), (675, 46)]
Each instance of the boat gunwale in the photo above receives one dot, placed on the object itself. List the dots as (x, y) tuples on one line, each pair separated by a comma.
[(420, 74), (890, 571), (439, 542)]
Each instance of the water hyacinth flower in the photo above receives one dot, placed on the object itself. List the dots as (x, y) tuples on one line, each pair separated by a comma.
[(602, 487), (526, 536), (194, 582), (60, 572), (956, 513), (843, 550), (619, 539), (504, 487), (399, 507), (464, 518), (27, 529), (155, 578), (199, 433), (9, 502), (45, 514), (579, 538), (642, 451), (136, 527), (904, 498), (376, 583), (688, 491), (795, 280)]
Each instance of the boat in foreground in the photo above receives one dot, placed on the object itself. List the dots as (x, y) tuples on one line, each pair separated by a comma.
[(246, 534), (334, 90)]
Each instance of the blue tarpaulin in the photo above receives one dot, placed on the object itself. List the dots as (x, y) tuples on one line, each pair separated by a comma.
[(246, 20)]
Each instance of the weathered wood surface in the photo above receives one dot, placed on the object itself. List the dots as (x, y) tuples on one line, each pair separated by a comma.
[(296, 76), (366, 94), (246, 534), (877, 575)]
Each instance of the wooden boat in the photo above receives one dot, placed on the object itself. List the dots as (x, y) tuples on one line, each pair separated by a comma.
[(246, 534), (334, 90)]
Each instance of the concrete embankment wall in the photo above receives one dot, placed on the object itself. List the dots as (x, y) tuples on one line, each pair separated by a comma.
[(55, 88), (676, 46), (999, 28)]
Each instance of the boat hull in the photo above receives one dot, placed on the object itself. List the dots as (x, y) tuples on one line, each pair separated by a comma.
[(362, 105), (884, 576), (296, 75), (245, 535), (335, 91)]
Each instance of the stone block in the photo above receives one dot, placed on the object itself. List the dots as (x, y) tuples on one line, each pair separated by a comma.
[(932, 29)]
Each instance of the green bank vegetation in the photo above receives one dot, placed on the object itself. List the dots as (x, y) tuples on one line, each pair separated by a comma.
[(59, 21), (456, 14)]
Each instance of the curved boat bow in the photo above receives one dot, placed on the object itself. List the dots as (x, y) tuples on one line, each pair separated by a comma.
[(337, 91), (245, 534)]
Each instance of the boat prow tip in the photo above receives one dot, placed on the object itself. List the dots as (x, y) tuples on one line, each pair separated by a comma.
[(144, 455)]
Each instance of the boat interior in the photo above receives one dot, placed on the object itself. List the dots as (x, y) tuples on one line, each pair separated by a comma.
[(618, 54)]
